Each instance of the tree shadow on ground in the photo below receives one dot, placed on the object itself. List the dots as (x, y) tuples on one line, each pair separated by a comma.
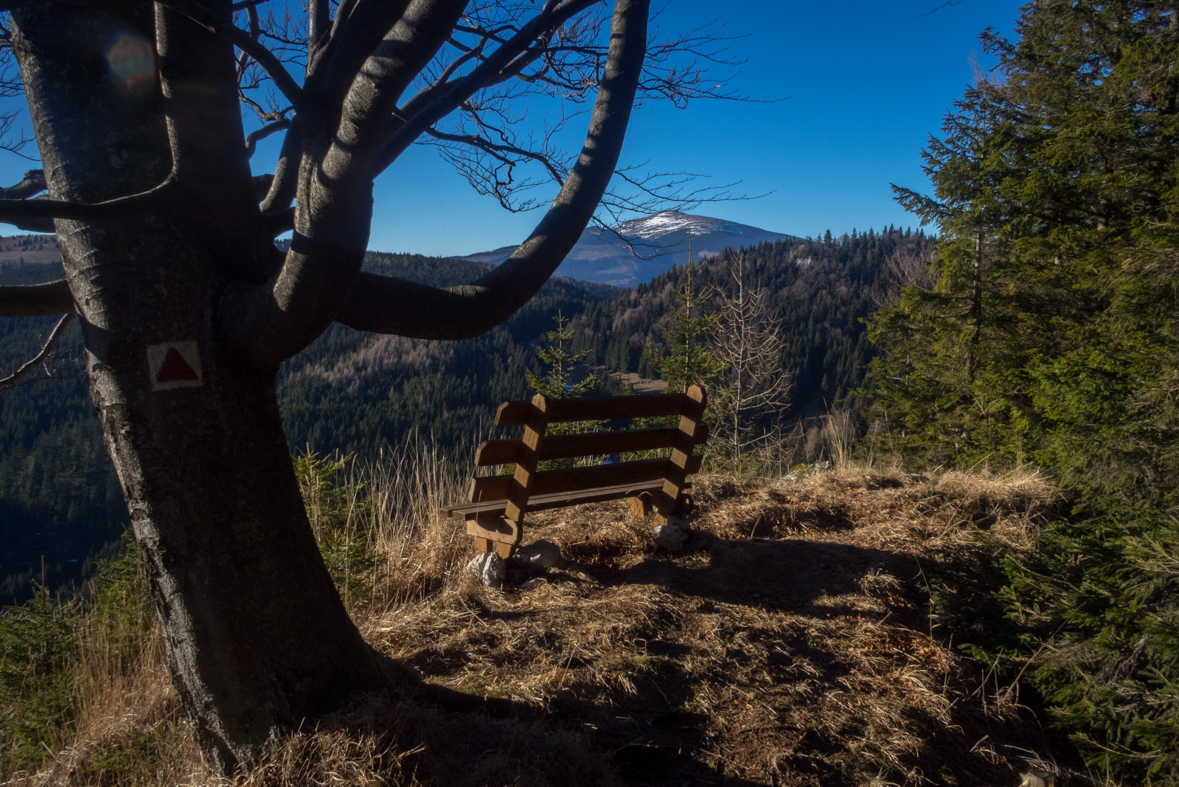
[(428, 734), (644, 713), (785, 574)]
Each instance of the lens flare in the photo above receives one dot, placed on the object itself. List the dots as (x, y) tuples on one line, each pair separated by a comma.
[(132, 60)]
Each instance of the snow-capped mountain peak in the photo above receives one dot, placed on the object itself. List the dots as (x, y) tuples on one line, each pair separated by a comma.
[(668, 221), (650, 245)]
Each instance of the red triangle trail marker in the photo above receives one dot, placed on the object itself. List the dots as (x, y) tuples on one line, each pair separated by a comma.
[(175, 368), (174, 365)]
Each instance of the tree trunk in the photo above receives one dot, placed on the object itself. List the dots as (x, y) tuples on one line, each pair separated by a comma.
[(256, 636), (257, 639)]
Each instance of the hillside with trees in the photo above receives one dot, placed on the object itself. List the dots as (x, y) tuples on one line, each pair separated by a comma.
[(60, 502), (348, 392), (820, 291), (363, 394), (366, 395)]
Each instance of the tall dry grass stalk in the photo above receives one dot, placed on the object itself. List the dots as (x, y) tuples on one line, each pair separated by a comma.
[(124, 718), (420, 552)]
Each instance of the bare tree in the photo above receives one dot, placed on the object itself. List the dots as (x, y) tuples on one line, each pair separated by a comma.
[(748, 346), (187, 308)]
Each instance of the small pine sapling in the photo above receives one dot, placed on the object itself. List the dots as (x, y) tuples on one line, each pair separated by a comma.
[(687, 361), (555, 383)]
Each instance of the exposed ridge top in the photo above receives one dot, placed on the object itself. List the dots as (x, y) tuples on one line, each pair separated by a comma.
[(666, 222)]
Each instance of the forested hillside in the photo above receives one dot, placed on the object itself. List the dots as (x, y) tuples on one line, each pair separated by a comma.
[(359, 394), (1046, 330), (822, 289), (59, 498)]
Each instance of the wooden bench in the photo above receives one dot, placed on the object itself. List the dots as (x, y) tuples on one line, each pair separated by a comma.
[(495, 515)]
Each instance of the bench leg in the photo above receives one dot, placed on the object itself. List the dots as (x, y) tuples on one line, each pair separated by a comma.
[(499, 547), (495, 534), (640, 507)]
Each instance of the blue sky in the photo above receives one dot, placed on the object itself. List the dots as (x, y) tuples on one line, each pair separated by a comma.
[(862, 85)]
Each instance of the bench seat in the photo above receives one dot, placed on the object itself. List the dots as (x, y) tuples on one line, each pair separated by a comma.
[(600, 494)]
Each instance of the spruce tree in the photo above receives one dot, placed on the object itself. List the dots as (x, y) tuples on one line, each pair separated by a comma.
[(556, 383), (560, 361), (687, 361), (1050, 335)]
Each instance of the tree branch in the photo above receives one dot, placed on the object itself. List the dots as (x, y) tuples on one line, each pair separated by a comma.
[(497, 150), (15, 211), (243, 41), (388, 305), (32, 183), (319, 22), (12, 379), (286, 171), (333, 212), (404, 52), (36, 300), (359, 27), (254, 137), (487, 72), (247, 4)]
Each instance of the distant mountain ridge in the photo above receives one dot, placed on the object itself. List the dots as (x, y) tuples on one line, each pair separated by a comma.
[(626, 255), (638, 250)]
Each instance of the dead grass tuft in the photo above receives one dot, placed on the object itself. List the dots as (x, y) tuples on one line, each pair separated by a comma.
[(129, 730)]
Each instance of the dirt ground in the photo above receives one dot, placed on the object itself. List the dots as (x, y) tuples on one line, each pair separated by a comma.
[(792, 642)]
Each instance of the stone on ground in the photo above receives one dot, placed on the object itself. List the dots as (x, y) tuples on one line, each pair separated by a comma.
[(672, 536), (538, 555), (489, 568)]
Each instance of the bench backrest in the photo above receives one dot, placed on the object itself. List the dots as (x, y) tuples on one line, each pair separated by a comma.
[(535, 447)]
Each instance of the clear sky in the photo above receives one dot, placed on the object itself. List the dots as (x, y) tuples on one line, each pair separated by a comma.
[(862, 85)]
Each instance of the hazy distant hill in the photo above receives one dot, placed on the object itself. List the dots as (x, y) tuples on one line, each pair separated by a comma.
[(28, 250), (637, 251)]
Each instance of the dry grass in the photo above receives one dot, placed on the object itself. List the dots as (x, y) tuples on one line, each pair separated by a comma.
[(792, 643)]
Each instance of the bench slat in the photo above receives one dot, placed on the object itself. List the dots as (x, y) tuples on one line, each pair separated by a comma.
[(555, 482), (496, 452), (560, 500), (502, 452), (562, 410)]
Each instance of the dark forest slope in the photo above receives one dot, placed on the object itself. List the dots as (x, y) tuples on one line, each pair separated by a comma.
[(360, 393), (822, 290)]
